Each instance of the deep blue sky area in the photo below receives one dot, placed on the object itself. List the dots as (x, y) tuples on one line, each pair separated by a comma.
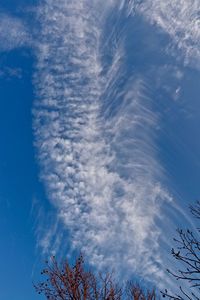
[(18, 177), (180, 138), (14, 6), (114, 96)]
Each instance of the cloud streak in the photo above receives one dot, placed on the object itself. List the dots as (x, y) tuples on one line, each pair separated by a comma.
[(96, 139), (13, 33), (178, 18)]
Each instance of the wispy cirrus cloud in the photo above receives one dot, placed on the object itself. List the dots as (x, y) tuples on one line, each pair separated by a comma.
[(13, 33), (96, 142), (178, 18)]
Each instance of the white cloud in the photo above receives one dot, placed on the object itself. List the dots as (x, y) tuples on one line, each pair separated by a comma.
[(96, 142), (7, 72), (13, 33), (178, 18)]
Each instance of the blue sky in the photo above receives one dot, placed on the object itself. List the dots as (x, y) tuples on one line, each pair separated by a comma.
[(18, 178), (99, 118)]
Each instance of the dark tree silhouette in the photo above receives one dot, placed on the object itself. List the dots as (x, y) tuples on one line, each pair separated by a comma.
[(187, 252), (66, 282)]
